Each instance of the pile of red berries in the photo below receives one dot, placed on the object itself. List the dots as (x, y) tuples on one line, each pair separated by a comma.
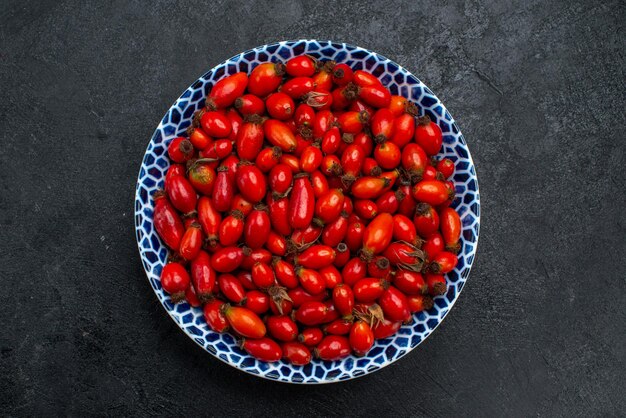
[(305, 211)]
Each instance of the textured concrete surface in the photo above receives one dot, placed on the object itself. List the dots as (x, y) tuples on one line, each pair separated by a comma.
[(538, 89)]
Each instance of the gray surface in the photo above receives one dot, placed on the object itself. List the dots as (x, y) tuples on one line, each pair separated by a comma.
[(538, 90)]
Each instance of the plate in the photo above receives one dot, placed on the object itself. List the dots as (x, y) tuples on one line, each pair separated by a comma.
[(223, 346)]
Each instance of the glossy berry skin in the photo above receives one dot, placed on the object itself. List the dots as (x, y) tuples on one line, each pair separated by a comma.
[(202, 177), (328, 207), (371, 167), (335, 231), (446, 167), (199, 138), (382, 125), (333, 347), (361, 338), (296, 353), (257, 301), (414, 161), (389, 201), (365, 209), (167, 223), (311, 313), (436, 284), (231, 229), (379, 267), (282, 328), (231, 287), (368, 289), (175, 170), (227, 90), (280, 178), (279, 135), (180, 150), (292, 161), (245, 322), (331, 166), (386, 328), (319, 183), (311, 159), (251, 183), (249, 104), (299, 297), (443, 263), (223, 190), (297, 87), (209, 218), (426, 220), (331, 276), (249, 140), (352, 160), (191, 243), (262, 275), (354, 270), (285, 273), (265, 78), (430, 173), (310, 280), (175, 280), (214, 317), (311, 336), (343, 298), (376, 96), (257, 228), (352, 122), (450, 224), (276, 244), (316, 257), (433, 246), (342, 74), (363, 78), (203, 276), (342, 255), (387, 155), (263, 349), (428, 136), (278, 210), (268, 158), (404, 130), (419, 303), (280, 106), (368, 187), (323, 79), (215, 124), (227, 259), (354, 236), (378, 234), (410, 282), (306, 235), (394, 305), (246, 280), (301, 66), (339, 326), (301, 203), (404, 230), (219, 149), (399, 253)]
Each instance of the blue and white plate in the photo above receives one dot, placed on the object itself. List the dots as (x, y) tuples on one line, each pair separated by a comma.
[(223, 346)]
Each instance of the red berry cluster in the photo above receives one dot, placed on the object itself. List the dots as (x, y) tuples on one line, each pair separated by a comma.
[(305, 211)]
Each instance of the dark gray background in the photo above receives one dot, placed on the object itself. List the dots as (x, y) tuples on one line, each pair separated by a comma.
[(538, 89)]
